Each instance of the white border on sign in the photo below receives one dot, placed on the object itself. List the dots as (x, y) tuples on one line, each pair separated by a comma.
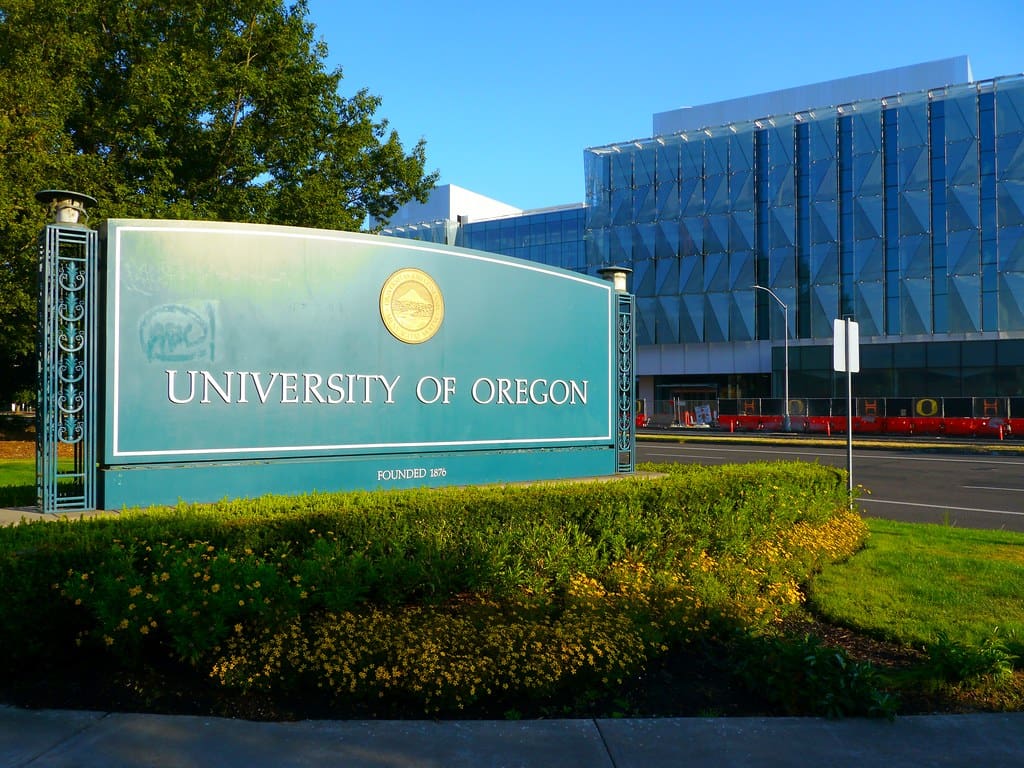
[(269, 231)]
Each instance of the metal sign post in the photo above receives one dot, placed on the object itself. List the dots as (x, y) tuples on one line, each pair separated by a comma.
[(66, 355), (846, 357)]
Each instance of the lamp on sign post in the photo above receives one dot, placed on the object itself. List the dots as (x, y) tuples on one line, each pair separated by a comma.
[(785, 317)]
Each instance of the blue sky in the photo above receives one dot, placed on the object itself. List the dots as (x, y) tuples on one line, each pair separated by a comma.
[(508, 96)]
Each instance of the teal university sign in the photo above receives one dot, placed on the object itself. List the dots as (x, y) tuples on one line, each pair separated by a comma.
[(237, 360)]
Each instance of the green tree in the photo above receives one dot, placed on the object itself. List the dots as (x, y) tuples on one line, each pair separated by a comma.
[(221, 109)]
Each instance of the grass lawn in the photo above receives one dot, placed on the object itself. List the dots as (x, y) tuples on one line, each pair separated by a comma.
[(914, 583), (17, 472)]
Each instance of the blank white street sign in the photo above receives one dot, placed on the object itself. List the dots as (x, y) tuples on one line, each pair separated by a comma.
[(839, 342)]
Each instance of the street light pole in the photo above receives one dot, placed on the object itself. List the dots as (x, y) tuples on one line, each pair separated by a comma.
[(786, 423)]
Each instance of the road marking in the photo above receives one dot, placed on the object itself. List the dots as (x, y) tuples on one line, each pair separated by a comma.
[(739, 450), (992, 488), (863, 453), (942, 507)]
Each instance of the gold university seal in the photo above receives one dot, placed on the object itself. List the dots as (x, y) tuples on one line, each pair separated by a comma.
[(411, 305)]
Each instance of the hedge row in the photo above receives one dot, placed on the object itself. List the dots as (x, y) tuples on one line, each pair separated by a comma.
[(437, 597)]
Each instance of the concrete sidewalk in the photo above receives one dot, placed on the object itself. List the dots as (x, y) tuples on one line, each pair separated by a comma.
[(71, 739)]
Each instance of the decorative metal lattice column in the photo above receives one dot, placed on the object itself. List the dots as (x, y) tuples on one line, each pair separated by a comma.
[(66, 407), (625, 359)]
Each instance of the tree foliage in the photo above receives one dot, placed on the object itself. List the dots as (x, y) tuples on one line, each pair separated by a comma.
[(180, 109)]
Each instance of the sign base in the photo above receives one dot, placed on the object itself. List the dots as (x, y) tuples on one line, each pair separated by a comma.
[(207, 482)]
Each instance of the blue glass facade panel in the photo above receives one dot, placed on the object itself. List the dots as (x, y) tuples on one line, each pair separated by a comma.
[(905, 213)]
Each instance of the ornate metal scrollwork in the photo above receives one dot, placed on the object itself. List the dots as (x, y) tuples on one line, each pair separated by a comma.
[(66, 405), (626, 424)]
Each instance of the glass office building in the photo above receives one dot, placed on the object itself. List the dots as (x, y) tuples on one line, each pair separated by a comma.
[(904, 212), (551, 236)]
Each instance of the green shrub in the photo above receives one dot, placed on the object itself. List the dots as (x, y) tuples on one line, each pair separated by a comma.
[(636, 565), (953, 663), (808, 678)]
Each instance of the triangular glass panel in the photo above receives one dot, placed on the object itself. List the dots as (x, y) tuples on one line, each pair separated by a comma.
[(780, 146), (824, 180), (646, 312), (741, 270), (643, 278), (913, 127), (620, 245), (781, 189), (824, 263), (741, 152), (741, 190), (741, 316), (824, 309), (644, 204), (1009, 108), (867, 175), (666, 329), (867, 218), (622, 170), (716, 317), (716, 272), (741, 231), (691, 318), (691, 274), (691, 236), (962, 208), (783, 227), (1010, 203), (668, 164), (870, 300), (644, 236), (1010, 151), (915, 209), (869, 260), (823, 139), (622, 206), (915, 256), (666, 243), (691, 158), (915, 306), (691, 196), (824, 222), (913, 168), (643, 167), (1011, 249), (867, 132), (965, 304), (962, 252), (1011, 301), (781, 268), (961, 119), (962, 162), (716, 194), (716, 233), (667, 203), (667, 279), (716, 156)]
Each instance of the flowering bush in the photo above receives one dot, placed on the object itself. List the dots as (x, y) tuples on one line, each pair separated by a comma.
[(435, 600)]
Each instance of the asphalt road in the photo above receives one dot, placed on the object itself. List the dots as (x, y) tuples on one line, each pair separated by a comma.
[(919, 487)]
